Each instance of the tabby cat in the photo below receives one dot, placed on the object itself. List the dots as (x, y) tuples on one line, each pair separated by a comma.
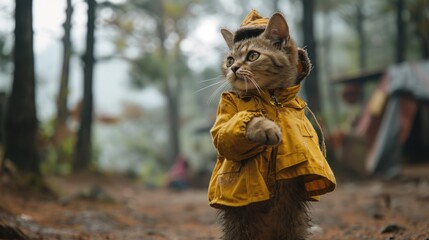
[(258, 183)]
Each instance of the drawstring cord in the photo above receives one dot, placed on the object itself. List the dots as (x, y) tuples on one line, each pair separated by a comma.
[(323, 145), (274, 101)]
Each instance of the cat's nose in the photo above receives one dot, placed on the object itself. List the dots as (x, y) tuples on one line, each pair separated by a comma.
[(235, 68)]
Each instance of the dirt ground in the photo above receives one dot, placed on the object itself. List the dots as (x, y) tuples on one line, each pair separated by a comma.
[(93, 206)]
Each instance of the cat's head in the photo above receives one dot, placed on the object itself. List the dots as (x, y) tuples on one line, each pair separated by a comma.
[(262, 56)]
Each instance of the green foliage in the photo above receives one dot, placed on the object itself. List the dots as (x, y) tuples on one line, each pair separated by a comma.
[(152, 174), (155, 30), (419, 16), (135, 146), (55, 159), (149, 68), (58, 160)]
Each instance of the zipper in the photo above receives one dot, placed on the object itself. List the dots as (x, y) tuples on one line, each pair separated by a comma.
[(275, 102), (271, 176)]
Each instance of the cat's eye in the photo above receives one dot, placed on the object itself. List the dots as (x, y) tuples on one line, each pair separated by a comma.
[(252, 56), (229, 61)]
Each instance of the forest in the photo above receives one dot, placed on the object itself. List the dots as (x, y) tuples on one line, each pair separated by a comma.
[(106, 108)]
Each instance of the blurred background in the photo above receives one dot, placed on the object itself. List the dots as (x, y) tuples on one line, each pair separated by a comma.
[(131, 87), (106, 108)]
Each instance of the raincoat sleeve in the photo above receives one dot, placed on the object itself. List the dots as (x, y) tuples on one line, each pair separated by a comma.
[(229, 131)]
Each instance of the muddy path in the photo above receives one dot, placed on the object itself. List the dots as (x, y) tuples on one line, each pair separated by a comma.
[(113, 207)]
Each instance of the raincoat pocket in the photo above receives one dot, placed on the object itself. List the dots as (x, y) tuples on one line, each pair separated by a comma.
[(231, 183), (239, 183), (230, 167), (228, 175), (284, 161), (305, 130)]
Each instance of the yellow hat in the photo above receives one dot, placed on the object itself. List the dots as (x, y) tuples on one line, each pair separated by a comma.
[(254, 19), (252, 26)]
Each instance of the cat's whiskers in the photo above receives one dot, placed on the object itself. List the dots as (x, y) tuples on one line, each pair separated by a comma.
[(211, 85), (258, 88), (217, 90), (245, 83), (211, 79), (248, 76), (227, 87), (223, 87)]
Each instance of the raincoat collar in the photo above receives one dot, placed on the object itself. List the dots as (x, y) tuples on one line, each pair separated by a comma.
[(279, 97)]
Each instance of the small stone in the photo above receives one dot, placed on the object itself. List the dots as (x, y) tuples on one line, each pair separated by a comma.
[(315, 229), (377, 215), (391, 228)]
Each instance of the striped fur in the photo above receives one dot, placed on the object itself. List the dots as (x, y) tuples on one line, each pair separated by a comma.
[(276, 67), (283, 217)]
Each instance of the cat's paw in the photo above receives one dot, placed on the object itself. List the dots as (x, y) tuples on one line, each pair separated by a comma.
[(264, 131)]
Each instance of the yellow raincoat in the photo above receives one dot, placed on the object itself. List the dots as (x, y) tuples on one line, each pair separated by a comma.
[(242, 172)]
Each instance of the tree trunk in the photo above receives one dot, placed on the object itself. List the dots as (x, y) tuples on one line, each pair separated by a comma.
[(425, 46), (21, 119), (173, 120), (170, 93), (418, 15), (360, 28), (62, 109), (422, 26), (311, 84), (82, 157), (332, 100), (400, 26)]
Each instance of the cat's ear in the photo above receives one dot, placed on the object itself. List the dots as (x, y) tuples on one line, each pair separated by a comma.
[(277, 30), (228, 36), (304, 65)]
